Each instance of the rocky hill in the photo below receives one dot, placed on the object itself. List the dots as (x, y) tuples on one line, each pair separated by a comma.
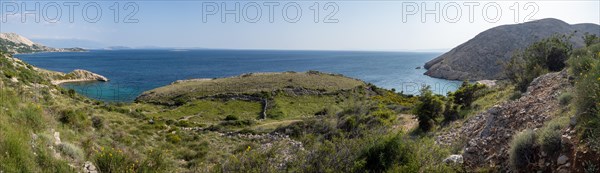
[(15, 44), (479, 58), (485, 138)]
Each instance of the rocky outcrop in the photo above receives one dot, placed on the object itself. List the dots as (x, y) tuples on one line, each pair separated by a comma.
[(480, 57), (14, 44), (488, 134), (16, 38), (79, 75)]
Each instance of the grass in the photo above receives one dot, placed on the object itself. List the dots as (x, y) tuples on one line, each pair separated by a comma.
[(585, 67), (249, 84), (212, 111), (337, 112), (73, 151), (304, 105), (492, 96), (18, 121)]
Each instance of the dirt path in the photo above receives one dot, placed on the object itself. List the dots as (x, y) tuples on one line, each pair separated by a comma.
[(277, 123), (406, 122)]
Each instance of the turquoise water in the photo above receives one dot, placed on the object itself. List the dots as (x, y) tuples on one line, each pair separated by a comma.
[(133, 71)]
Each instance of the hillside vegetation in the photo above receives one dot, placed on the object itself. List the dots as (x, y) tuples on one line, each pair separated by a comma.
[(315, 122), (310, 122), (550, 121), (249, 84)]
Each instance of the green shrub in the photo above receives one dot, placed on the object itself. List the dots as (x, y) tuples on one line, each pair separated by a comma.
[(48, 163), (385, 153), (231, 118), (74, 118), (565, 98), (451, 112), (427, 156), (155, 161), (173, 138), (237, 123), (9, 74), (587, 93), (15, 152), (275, 113), (466, 94), (590, 39), (582, 60), (71, 93), (522, 149), (587, 90), (117, 160), (546, 55), (383, 113), (112, 160), (197, 151), (97, 122), (183, 123), (430, 107), (515, 95), (263, 160), (590, 167), (323, 112), (33, 117), (71, 150), (320, 127), (549, 137)]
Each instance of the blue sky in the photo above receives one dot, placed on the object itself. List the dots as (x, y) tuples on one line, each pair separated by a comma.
[(355, 25)]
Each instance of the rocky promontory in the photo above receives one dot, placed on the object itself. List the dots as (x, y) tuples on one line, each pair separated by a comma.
[(79, 75), (482, 57)]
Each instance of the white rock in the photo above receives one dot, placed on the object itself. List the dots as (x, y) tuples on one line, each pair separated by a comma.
[(562, 159), (57, 138), (88, 167), (455, 158), (488, 83)]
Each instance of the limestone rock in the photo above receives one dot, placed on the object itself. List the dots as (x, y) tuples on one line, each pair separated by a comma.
[(562, 159), (455, 158), (88, 167), (79, 75), (86, 75)]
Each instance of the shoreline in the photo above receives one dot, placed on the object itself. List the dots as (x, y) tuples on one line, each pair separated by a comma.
[(58, 82)]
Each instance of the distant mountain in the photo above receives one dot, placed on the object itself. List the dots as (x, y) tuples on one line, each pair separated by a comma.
[(67, 42), (480, 57), (118, 48), (14, 43)]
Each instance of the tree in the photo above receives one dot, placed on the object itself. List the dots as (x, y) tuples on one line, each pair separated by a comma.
[(466, 94), (590, 39), (546, 55), (430, 107)]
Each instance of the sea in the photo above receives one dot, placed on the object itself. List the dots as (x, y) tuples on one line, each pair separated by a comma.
[(132, 72)]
